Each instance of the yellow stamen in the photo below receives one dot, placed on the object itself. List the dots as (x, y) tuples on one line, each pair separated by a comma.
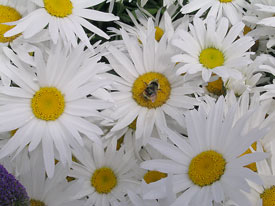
[(211, 58), (153, 176), (216, 87), (59, 8), (104, 180), (36, 203), (8, 14), (48, 103), (159, 33), (268, 197), (206, 168), (162, 93), (252, 165)]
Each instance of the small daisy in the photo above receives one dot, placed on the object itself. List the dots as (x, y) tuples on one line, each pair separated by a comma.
[(214, 49), (104, 176), (50, 106), (232, 9), (207, 166), (148, 88), (64, 19)]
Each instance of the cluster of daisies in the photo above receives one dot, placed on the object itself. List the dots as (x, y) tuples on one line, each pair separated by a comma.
[(175, 108)]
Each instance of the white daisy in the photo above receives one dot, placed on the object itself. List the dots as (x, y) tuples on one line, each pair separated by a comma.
[(232, 9), (148, 88), (50, 106), (104, 176), (214, 49), (207, 166), (64, 19)]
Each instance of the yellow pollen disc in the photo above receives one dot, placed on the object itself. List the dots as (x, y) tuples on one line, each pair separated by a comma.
[(48, 103), (268, 196), (252, 165), (206, 168), (153, 176), (141, 84), (36, 203), (211, 58), (216, 87), (226, 1), (159, 33), (59, 8), (104, 180), (7, 14)]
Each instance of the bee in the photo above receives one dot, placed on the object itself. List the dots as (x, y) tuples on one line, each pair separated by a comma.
[(150, 93)]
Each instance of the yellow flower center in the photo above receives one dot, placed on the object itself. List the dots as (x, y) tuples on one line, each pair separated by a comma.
[(151, 90), (7, 14), (159, 33), (48, 103), (268, 196), (206, 168), (252, 165), (36, 203), (59, 8), (104, 180), (216, 87), (153, 176), (226, 1), (211, 58)]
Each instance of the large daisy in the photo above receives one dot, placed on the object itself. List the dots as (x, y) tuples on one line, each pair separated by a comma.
[(148, 88), (207, 166), (64, 19), (214, 49), (49, 105)]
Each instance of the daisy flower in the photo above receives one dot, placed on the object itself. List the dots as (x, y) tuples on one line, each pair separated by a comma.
[(50, 105), (104, 176), (232, 9), (215, 49), (148, 88), (63, 19), (205, 166)]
